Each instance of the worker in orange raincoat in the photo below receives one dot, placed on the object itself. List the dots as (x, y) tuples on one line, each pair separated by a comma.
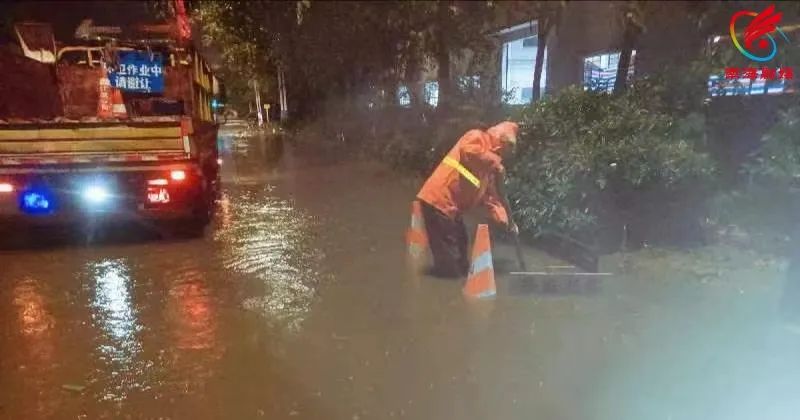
[(471, 174)]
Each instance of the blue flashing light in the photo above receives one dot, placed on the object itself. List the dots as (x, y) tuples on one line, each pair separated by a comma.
[(37, 201)]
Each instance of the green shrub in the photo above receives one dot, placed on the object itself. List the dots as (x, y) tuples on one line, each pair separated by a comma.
[(777, 161), (765, 208), (758, 217), (590, 162)]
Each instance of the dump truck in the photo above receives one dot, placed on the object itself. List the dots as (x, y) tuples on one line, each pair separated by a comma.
[(116, 125)]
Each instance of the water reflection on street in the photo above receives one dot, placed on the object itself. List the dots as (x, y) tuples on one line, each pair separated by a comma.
[(193, 313), (271, 244), (112, 301), (36, 338), (112, 311), (298, 304), (135, 318)]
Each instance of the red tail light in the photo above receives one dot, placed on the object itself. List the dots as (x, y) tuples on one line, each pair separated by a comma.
[(5, 187), (177, 175)]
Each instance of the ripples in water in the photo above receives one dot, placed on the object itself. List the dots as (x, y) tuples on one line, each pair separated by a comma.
[(34, 318), (115, 314), (33, 339), (267, 237)]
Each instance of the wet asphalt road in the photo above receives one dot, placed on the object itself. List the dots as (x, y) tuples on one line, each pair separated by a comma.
[(299, 304)]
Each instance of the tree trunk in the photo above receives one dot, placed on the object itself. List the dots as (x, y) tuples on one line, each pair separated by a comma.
[(621, 83), (392, 87), (626, 51), (443, 55), (411, 75), (543, 28)]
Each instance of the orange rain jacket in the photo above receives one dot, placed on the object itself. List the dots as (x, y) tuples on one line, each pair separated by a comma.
[(452, 192)]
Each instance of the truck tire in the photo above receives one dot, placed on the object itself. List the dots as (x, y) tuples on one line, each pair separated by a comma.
[(194, 226)]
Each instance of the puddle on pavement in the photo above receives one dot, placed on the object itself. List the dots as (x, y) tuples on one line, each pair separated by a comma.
[(298, 304)]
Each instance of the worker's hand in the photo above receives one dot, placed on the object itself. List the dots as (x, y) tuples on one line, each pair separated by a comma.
[(513, 228)]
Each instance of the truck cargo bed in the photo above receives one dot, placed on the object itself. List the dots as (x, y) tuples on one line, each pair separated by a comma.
[(80, 141)]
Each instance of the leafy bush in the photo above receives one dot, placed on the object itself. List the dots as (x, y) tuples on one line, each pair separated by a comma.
[(590, 162), (777, 162), (757, 217), (764, 210)]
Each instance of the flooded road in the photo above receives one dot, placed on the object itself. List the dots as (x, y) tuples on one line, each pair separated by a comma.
[(298, 304)]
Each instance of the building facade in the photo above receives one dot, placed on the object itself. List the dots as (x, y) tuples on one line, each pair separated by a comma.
[(584, 46)]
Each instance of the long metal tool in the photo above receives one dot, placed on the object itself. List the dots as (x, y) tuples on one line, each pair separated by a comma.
[(501, 190), (521, 261)]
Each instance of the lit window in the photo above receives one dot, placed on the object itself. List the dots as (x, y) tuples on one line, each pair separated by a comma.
[(718, 85), (738, 84), (518, 62), (600, 71), (527, 94), (530, 42), (468, 83), (403, 96), (432, 93)]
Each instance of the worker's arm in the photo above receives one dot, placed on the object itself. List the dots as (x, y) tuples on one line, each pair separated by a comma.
[(475, 151), (497, 204)]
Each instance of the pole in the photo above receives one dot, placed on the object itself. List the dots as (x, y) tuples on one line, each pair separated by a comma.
[(258, 103), (521, 261), (282, 95)]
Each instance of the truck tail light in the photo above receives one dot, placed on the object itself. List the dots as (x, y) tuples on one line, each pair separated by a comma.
[(6, 187), (177, 175)]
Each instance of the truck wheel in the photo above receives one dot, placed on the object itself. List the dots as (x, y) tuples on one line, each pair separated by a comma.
[(194, 226), (203, 213)]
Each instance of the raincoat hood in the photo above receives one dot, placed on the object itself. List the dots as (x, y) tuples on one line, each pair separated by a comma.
[(503, 134)]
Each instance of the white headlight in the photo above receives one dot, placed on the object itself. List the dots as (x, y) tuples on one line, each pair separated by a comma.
[(95, 194)]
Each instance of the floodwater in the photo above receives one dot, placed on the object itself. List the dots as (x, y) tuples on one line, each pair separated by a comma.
[(299, 303)]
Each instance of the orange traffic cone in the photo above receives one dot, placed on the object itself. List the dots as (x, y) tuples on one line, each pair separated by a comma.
[(104, 96), (416, 237), (480, 282), (117, 105)]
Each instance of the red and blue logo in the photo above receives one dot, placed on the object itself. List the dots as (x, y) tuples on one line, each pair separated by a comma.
[(759, 42)]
